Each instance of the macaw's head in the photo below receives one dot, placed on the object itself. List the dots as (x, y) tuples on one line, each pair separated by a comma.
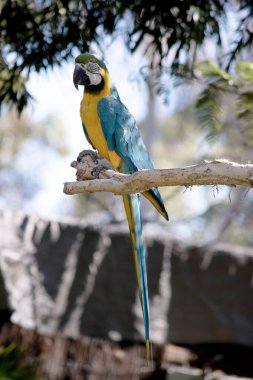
[(90, 72)]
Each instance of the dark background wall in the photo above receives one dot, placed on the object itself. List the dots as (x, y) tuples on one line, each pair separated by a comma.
[(79, 279)]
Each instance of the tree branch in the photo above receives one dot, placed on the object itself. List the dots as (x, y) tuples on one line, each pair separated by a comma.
[(217, 172)]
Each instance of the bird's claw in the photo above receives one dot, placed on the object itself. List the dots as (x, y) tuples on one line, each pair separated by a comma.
[(88, 152), (99, 168)]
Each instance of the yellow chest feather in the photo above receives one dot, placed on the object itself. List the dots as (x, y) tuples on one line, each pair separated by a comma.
[(90, 118)]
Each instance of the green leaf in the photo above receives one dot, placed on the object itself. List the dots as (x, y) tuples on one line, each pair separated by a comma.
[(245, 107), (245, 70), (209, 69), (12, 366), (208, 109)]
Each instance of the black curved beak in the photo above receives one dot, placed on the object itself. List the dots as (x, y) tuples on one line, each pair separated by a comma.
[(80, 77)]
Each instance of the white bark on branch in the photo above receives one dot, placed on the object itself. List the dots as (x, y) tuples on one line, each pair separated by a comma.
[(217, 172)]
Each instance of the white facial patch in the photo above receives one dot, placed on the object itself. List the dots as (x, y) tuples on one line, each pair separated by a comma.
[(94, 77)]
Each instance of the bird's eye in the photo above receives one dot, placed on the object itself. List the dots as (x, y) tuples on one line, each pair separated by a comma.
[(92, 67)]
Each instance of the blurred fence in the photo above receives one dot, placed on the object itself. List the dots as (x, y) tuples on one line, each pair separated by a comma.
[(73, 279)]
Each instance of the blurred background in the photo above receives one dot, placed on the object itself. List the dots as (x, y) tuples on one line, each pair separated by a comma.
[(185, 72)]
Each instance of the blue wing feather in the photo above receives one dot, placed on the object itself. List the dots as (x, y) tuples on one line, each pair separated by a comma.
[(117, 121), (123, 137)]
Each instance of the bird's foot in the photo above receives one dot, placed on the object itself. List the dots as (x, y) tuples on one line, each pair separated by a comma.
[(105, 165), (88, 152)]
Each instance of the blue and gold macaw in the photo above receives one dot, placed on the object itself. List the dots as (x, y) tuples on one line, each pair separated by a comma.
[(112, 131)]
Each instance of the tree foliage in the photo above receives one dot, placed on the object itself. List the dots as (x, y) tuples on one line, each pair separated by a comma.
[(37, 34), (219, 83), (12, 365)]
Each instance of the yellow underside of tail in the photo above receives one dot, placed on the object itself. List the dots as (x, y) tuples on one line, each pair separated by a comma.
[(155, 203), (129, 214)]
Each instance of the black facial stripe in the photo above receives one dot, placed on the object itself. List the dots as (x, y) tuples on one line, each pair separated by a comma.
[(93, 89)]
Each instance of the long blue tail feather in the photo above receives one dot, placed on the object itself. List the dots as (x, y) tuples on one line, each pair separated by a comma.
[(133, 212)]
